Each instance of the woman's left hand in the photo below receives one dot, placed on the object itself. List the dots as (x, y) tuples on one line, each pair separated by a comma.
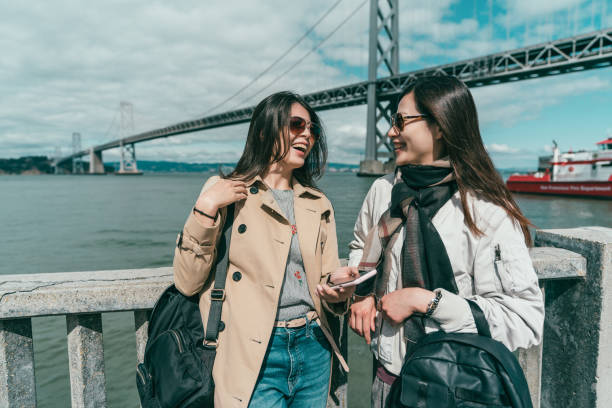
[(334, 295), (342, 274), (400, 304)]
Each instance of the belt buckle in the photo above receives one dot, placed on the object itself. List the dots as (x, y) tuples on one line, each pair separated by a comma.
[(293, 323)]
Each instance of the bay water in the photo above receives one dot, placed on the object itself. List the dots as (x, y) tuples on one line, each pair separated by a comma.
[(92, 223)]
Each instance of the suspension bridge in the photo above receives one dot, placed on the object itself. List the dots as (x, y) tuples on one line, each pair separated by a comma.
[(573, 54)]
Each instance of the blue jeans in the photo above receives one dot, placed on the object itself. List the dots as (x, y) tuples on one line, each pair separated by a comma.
[(295, 371)]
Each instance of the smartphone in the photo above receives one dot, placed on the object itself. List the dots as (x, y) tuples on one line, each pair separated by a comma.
[(355, 282)]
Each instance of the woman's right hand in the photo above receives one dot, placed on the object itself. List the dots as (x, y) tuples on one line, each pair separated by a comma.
[(221, 194), (363, 317)]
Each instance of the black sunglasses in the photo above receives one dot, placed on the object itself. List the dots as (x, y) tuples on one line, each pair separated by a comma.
[(297, 125), (399, 121)]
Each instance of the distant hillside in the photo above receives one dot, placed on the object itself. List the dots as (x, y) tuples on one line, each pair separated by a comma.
[(26, 165), (42, 165), (179, 167)]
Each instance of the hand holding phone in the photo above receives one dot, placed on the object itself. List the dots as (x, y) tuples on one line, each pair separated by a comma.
[(341, 275), (356, 281)]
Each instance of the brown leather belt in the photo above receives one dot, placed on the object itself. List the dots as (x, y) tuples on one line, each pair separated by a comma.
[(299, 322)]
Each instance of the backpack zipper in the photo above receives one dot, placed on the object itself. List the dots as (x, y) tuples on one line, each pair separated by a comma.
[(141, 375), (178, 340)]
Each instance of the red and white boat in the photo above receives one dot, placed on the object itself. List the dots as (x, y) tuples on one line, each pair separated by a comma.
[(582, 173)]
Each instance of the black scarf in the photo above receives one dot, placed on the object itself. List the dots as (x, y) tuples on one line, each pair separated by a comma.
[(417, 195), (425, 262)]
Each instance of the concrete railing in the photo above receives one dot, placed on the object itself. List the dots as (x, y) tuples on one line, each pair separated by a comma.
[(570, 369)]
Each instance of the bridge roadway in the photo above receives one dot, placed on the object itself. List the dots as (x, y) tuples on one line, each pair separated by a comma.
[(573, 54)]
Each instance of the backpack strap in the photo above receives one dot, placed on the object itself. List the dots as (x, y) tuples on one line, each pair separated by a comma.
[(481, 323), (217, 295)]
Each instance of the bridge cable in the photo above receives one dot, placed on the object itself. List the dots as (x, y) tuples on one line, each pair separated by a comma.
[(283, 55), (308, 53), (110, 126)]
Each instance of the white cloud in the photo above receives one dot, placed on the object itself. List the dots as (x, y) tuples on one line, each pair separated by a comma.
[(66, 66), (501, 148), (515, 102), (519, 10), (74, 63)]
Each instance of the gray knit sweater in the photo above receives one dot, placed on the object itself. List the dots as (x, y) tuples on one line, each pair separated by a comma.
[(295, 300)]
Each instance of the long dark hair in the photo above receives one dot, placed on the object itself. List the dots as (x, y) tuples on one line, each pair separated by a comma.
[(269, 125), (448, 103)]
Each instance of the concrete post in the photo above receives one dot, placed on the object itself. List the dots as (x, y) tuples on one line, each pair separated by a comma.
[(86, 360), (17, 386), (549, 264), (96, 166), (531, 362), (577, 358)]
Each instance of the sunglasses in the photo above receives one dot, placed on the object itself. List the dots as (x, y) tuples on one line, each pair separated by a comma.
[(399, 121), (297, 125)]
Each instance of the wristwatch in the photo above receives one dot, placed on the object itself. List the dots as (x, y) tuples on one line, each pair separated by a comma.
[(433, 303)]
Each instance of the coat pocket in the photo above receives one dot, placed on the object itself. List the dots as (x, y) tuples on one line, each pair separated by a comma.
[(514, 269), (322, 235), (487, 276)]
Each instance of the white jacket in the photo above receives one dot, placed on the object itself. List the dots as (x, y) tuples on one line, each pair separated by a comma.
[(506, 289)]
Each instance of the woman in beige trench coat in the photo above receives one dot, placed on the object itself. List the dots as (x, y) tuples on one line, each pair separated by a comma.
[(275, 348)]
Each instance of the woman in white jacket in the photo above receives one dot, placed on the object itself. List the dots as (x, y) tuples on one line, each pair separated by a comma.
[(441, 230)]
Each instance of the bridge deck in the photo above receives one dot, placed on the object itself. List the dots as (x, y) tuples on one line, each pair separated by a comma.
[(574, 54)]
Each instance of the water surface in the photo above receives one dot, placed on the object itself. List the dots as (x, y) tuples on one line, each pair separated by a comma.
[(89, 223)]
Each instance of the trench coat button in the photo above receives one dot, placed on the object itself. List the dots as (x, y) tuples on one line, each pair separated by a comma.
[(254, 190), (241, 228), (236, 276), (221, 326)]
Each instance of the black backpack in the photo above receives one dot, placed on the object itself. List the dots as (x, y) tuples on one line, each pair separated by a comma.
[(461, 370), (177, 367)]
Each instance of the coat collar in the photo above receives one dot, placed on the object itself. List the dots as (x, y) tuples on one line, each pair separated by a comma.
[(298, 189)]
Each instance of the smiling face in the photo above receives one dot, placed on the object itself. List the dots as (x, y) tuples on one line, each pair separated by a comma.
[(300, 142), (418, 142)]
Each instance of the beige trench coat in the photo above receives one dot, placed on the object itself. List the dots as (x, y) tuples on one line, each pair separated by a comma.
[(257, 260)]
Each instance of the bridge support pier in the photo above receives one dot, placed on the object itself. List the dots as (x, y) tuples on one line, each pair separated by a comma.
[(96, 165), (128, 164), (383, 53), (77, 162)]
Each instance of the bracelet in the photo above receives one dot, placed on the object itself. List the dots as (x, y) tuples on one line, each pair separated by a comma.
[(433, 304), (195, 210)]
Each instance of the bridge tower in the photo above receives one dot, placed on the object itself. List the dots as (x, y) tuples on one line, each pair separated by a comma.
[(127, 164), (57, 156), (383, 56), (77, 162)]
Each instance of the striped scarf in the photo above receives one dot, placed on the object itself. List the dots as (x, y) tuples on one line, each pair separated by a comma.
[(417, 195)]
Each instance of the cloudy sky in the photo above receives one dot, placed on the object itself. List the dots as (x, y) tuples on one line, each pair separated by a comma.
[(66, 65)]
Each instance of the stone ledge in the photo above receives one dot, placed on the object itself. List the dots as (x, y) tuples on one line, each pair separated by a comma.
[(81, 292), (556, 263), (63, 293), (599, 235)]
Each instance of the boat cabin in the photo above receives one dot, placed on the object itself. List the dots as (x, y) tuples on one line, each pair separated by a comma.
[(605, 144)]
